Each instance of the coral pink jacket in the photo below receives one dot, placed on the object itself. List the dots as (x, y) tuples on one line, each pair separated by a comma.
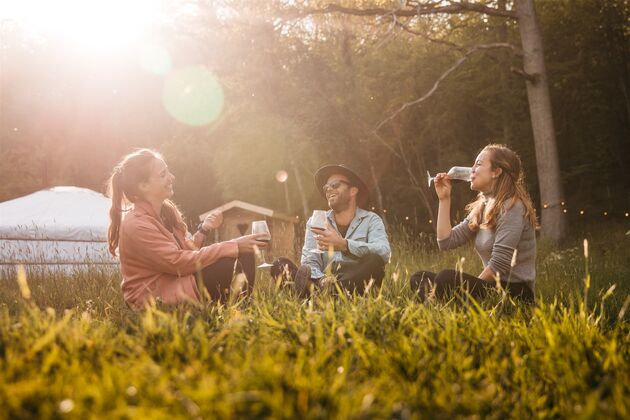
[(157, 263)]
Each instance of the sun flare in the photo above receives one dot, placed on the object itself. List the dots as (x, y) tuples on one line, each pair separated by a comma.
[(95, 25)]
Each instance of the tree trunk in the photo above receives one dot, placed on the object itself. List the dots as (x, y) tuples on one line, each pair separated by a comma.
[(378, 194), (298, 182), (504, 75), (547, 162)]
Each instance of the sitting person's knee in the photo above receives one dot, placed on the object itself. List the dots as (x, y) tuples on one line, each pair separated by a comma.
[(373, 259), (448, 276)]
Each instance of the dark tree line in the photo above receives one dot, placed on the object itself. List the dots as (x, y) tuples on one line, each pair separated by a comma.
[(397, 92)]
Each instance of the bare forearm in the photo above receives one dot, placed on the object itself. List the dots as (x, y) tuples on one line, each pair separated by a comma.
[(444, 219)]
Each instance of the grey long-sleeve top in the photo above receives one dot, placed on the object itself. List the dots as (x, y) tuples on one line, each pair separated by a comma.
[(366, 235), (496, 246)]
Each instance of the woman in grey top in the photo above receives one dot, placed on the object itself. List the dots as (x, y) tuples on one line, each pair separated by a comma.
[(501, 221)]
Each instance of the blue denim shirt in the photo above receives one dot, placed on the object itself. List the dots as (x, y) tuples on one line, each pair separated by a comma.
[(366, 235)]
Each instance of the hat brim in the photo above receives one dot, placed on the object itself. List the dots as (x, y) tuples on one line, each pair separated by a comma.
[(323, 173)]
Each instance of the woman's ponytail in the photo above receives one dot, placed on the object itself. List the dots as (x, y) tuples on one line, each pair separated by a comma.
[(115, 212)]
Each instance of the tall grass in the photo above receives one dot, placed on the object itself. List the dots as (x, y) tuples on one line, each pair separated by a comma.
[(74, 349)]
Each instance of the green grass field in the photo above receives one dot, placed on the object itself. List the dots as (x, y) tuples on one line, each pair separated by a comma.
[(73, 349)]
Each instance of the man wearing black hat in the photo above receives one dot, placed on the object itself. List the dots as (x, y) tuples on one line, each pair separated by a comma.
[(354, 241)]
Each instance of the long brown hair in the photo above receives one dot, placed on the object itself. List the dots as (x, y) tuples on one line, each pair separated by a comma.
[(509, 188), (123, 188)]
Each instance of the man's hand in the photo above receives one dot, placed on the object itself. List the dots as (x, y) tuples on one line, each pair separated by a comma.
[(327, 237), (213, 220)]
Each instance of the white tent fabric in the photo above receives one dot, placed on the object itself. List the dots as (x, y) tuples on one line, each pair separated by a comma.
[(58, 228)]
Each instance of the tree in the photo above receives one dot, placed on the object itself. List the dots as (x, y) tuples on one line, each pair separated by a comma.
[(534, 71)]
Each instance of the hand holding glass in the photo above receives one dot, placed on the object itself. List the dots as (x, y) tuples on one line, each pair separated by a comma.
[(462, 173), (260, 226), (318, 221)]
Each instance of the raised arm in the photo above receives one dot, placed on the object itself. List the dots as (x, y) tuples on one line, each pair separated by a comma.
[(447, 236), (443, 191), (149, 245)]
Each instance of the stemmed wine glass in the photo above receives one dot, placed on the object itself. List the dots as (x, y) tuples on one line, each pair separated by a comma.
[(462, 173), (318, 221), (260, 226)]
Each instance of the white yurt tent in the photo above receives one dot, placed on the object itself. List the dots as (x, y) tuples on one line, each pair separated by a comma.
[(57, 229)]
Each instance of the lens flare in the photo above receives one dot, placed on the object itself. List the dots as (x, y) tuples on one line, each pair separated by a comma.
[(282, 176), (155, 59), (193, 96)]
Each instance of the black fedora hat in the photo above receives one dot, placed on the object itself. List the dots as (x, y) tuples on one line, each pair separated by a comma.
[(323, 173)]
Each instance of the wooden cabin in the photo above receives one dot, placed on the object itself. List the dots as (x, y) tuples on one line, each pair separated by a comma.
[(237, 221)]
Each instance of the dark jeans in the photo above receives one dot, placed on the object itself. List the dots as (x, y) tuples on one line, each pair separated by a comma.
[(217, 277), (353, 276), (446, 283)]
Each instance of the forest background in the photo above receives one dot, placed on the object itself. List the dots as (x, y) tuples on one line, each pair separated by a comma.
[(296, 90)]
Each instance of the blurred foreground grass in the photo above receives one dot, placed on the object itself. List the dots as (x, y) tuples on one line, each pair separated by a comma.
[(75, 350)]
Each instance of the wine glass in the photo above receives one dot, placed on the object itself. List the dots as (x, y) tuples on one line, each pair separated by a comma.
[(461, 173), (260, 226), (318, 221)]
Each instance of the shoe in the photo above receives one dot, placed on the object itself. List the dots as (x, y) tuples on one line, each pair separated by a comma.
[(302, 281)]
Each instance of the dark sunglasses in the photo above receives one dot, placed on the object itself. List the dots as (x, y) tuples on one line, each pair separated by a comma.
[(335, 184)]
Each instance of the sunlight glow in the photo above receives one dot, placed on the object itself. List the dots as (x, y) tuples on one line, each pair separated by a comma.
[(282, 176), (96, 25), (193, 96), (155, 59)]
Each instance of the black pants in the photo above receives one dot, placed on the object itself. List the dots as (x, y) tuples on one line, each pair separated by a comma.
[(353, 276), (446, 283), (217, 277)]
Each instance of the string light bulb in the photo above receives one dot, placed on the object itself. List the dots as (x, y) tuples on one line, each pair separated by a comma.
[(564, 211), (581, 211)]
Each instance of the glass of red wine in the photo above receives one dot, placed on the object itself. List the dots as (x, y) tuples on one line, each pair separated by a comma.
[(318, 221), (260, 226)]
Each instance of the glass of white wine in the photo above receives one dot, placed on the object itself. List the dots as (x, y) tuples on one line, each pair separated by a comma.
[(461, 173), (318, 221), (260, 226)]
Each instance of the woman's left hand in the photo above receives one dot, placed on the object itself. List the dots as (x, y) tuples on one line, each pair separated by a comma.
[(213, 220)]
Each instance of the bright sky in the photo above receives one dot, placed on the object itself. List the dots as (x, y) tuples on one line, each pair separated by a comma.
[(110, 29), (95, 25)]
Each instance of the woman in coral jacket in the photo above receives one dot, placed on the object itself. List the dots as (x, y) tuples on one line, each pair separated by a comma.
[(159, 258)]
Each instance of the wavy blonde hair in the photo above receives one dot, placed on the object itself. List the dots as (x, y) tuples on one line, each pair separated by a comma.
[(508, 189), (123, 188)]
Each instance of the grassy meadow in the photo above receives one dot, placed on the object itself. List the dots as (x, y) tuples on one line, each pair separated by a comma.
[(72, 349)]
